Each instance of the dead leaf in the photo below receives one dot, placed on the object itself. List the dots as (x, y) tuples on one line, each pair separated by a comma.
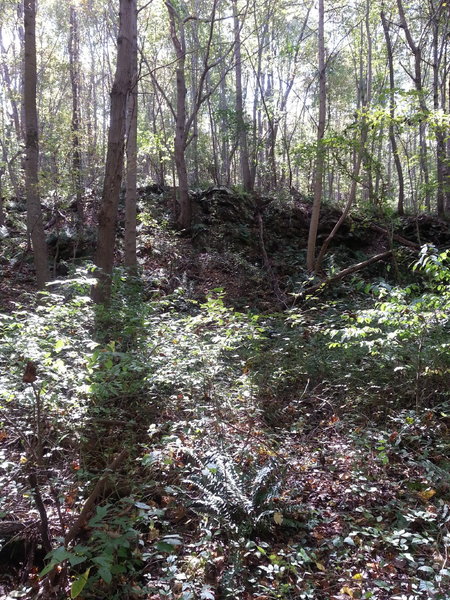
[(426, 494), (278, 518), (30, 374)]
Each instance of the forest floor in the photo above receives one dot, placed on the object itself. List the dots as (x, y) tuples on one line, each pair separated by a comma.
[(197, 440)]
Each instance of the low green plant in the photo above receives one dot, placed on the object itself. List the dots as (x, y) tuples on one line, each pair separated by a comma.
[(404, 338), (110, 559), (238, 499)]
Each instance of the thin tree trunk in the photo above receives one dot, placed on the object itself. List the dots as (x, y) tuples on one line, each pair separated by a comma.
[(74, 58), (35, 225), (447, 169), (247, 180), (130, 259), (2, 209), (320, 157), (398, 164), (180, 142), (366, 101), (15, 115), (225, 147), (106, 235), (440, 130), (350, 201), (418, 82)]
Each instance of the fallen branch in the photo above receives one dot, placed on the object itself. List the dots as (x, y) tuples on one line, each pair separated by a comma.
[(90, 501), (45, 534), (398, 238), (348, 271)]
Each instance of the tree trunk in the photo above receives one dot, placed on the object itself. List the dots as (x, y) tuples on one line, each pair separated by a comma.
[(74, 58), (247, 180), (130, 259), (440, 130), (180, 141), (10, 91), (351, 198), (106, 234), (418, 83), (35, 225), (398, 164), (2, 210), (320, 157), (7, 143), (225, 146)]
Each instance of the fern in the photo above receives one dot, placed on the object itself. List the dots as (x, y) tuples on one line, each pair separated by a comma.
[(238, 499)]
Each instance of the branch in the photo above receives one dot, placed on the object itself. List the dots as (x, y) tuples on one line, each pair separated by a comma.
[(353, 269), (90, 501), (144, 6)]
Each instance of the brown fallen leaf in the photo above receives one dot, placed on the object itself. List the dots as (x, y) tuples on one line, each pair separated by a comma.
[(30, 373)]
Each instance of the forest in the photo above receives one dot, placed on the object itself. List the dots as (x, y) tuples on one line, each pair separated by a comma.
[(225, 299)]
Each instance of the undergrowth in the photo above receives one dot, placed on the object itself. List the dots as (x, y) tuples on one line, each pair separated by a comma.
[(295, 455)]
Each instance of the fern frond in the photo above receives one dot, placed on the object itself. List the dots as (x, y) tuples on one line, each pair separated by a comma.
[(237, 498)]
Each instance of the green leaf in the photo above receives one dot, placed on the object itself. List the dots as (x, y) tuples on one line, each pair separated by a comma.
[(100, 514), (48, 568), (103, 561), (57, 556), (79, 584), (76, 560), (105, 574), (59, 345)]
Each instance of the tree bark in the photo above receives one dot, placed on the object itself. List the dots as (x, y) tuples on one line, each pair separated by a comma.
[(392, 138), (35, 225), (130, 259), (440, 129), (320, 156), (418, 83), (106, 233), (180, 141), (74, 59), (247, 180)]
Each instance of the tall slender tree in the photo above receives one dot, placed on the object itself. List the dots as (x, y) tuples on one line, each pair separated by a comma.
[(416, 49), (130, 259), (74, 63), (107, 220), (392, 138), (247, 179), (320, 155), (35, 224)]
